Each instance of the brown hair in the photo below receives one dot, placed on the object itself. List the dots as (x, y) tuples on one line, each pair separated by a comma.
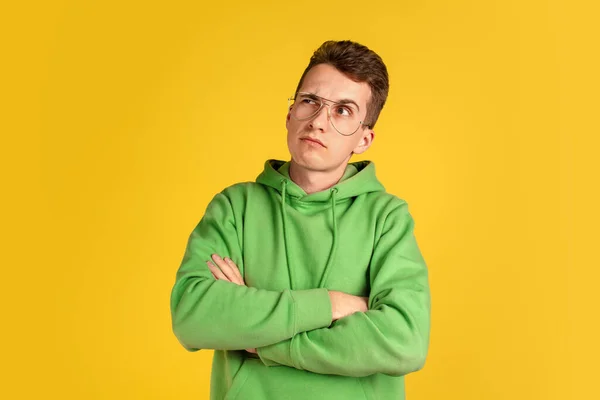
[(361, 65)]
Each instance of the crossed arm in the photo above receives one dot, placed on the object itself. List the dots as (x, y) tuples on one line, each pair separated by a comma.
[(214, 314), (342, 304), (315, 329)]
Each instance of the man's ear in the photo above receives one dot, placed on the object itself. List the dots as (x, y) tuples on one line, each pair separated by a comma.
[(365, 142)]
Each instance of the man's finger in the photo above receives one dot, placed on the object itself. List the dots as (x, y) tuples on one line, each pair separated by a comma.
[(236, 270), (226, 269), (217, 273)]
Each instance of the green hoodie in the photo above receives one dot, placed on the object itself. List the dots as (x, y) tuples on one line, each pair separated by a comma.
[(291, 248)]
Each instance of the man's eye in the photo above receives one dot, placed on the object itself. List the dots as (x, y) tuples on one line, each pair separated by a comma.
[(343, 111), (308, 101)]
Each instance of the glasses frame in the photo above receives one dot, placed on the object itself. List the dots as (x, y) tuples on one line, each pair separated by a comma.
[(322, 101)]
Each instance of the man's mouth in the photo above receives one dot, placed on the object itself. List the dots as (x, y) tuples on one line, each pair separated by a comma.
[(314, 140)]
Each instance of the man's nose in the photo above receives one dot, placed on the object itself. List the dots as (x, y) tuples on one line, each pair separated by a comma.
[(321, 120)]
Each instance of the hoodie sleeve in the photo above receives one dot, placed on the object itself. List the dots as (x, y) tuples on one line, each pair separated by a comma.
[(392, 337), (213, 314)]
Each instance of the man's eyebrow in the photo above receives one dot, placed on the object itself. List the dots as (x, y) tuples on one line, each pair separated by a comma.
[(348, 101), (342, 101)]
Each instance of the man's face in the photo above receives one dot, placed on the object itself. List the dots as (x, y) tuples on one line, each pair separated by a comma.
[(325, 81)]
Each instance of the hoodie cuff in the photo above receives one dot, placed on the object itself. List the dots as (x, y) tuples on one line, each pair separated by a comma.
[(312, 309), (268, 353), (278, 351)]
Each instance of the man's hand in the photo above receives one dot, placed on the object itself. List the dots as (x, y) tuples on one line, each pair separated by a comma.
[(225, 270), (344, 304)]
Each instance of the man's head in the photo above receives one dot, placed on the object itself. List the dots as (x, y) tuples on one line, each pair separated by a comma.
[(358, 63), (349, 81)]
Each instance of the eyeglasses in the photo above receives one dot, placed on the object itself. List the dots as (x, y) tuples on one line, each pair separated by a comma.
[(344, 117)]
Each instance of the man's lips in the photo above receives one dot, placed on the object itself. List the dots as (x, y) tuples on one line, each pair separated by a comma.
[(314, 140)]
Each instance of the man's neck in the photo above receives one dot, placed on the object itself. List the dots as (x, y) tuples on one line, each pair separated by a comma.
[(315, 181)]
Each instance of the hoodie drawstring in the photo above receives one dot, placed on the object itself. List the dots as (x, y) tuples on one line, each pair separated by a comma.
[(285, 233), (334, 245)]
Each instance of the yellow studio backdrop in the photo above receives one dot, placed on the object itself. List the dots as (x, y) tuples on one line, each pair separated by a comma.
[(121, 120)]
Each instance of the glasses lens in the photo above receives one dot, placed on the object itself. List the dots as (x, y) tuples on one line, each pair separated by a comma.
[(344, 117), (305, 106)]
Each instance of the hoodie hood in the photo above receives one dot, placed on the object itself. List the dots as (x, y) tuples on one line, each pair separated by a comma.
[(359, 178), (362, 182)]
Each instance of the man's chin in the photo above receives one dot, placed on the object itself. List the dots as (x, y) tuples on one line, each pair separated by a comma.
[(313, 164)]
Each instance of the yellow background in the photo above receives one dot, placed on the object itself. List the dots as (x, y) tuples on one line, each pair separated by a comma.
[(121, 120)]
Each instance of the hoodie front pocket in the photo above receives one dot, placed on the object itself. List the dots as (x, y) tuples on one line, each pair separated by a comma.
[(257, 381), (238, 381), (366, 388)]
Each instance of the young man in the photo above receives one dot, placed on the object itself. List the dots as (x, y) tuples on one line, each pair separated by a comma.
[(309, 283)]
